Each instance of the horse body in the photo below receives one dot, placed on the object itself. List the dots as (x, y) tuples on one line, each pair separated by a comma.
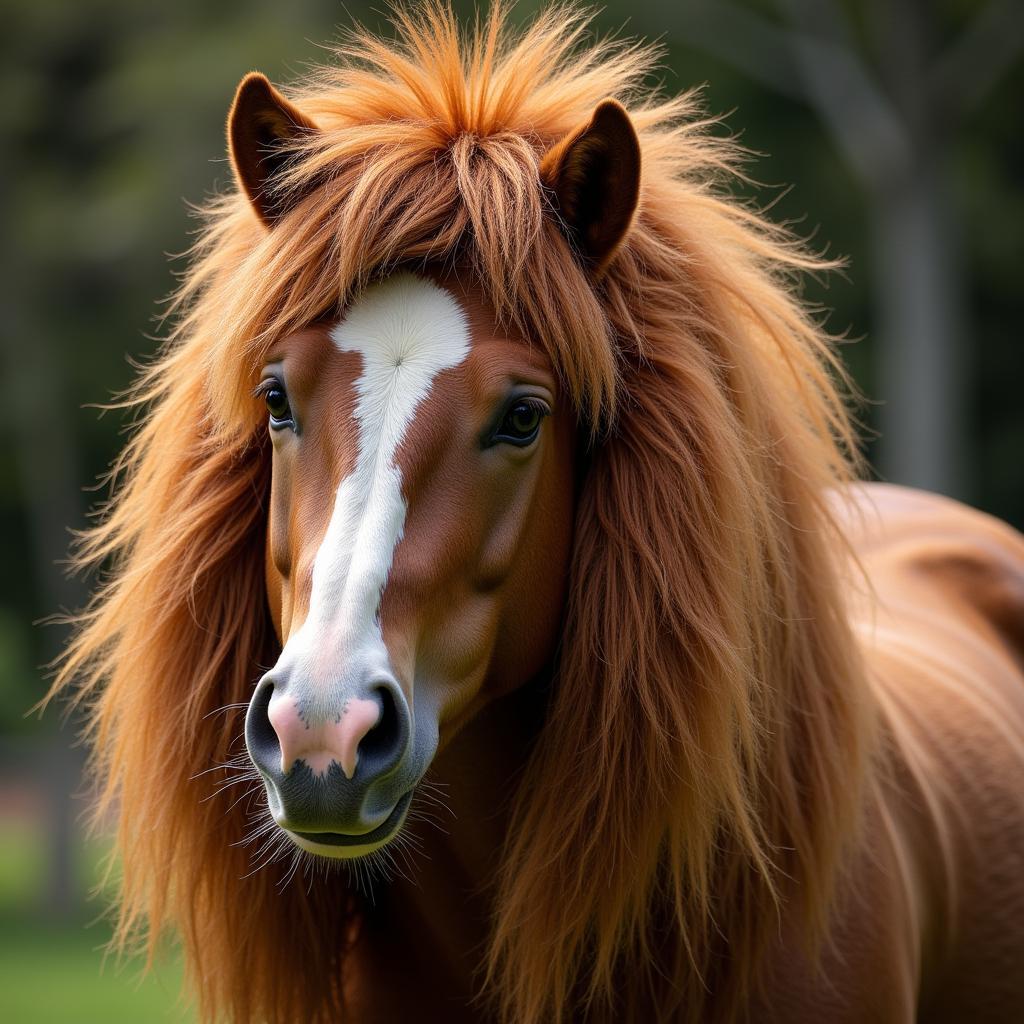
[(942, 639), (926, 926), (492, 454)]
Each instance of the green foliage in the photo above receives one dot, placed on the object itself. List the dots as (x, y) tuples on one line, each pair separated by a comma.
[(17, 677)]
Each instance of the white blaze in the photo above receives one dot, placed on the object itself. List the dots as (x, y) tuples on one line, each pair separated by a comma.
[(407, 330)]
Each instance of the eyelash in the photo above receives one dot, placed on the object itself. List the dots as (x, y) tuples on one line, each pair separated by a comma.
[(265, 388), (536, 405)]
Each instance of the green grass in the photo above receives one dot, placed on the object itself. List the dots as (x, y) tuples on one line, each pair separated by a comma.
[(57, 973), (22, 867)]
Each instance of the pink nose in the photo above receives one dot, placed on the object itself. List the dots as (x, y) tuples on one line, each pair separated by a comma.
[(320, 743)]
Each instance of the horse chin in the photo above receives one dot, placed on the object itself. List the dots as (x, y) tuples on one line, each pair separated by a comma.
[(350, 846)]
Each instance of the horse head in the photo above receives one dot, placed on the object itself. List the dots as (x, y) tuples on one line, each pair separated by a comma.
[(421, 510)]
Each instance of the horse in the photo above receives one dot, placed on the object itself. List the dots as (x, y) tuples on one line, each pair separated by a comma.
[(491, 529)]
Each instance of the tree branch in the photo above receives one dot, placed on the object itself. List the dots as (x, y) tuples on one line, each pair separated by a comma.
[(824, 73), (822, 18), (970, 68), (735, 35), (864, 124)]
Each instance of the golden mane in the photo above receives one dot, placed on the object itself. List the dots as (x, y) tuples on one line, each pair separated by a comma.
[(705, 643)]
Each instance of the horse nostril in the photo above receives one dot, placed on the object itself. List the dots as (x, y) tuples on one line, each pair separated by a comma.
[(366, 733), (382, 747), (260, 738)]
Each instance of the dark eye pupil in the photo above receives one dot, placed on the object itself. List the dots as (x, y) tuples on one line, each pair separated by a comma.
[(277, 403), (523, 419)]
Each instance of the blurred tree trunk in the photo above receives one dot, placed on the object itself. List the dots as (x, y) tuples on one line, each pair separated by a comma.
[(47, 464), (892, 116), (46, 168), (923, 364)]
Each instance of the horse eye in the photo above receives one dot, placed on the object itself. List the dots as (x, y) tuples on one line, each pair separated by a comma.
[(277, 405), (521, 423)]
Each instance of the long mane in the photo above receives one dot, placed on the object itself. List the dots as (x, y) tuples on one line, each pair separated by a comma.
[(705, 649)]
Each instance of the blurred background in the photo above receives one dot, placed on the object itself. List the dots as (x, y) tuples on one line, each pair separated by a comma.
[(889, 132)]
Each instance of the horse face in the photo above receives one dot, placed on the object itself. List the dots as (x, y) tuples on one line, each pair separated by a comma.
[(417, 549)]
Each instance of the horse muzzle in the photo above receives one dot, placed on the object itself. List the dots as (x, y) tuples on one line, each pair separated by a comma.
[(339, 767)]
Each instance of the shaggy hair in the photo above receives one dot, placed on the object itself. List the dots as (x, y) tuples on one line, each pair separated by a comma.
[(705, 643)]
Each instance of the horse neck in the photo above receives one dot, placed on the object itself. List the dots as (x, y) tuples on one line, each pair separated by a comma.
[(441, 911)]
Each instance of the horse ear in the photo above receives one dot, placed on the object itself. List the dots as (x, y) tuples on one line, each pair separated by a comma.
[(594, 173), (263, 129)]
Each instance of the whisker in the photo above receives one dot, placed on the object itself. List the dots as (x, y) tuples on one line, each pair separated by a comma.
[(252, 791), (228, 766), (225, 708), (261, 830), (283, 884), (224, 787), (269, 852)]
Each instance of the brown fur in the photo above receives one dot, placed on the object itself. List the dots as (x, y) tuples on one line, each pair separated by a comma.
[(707, 651), (594, 175), (263, 128)]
